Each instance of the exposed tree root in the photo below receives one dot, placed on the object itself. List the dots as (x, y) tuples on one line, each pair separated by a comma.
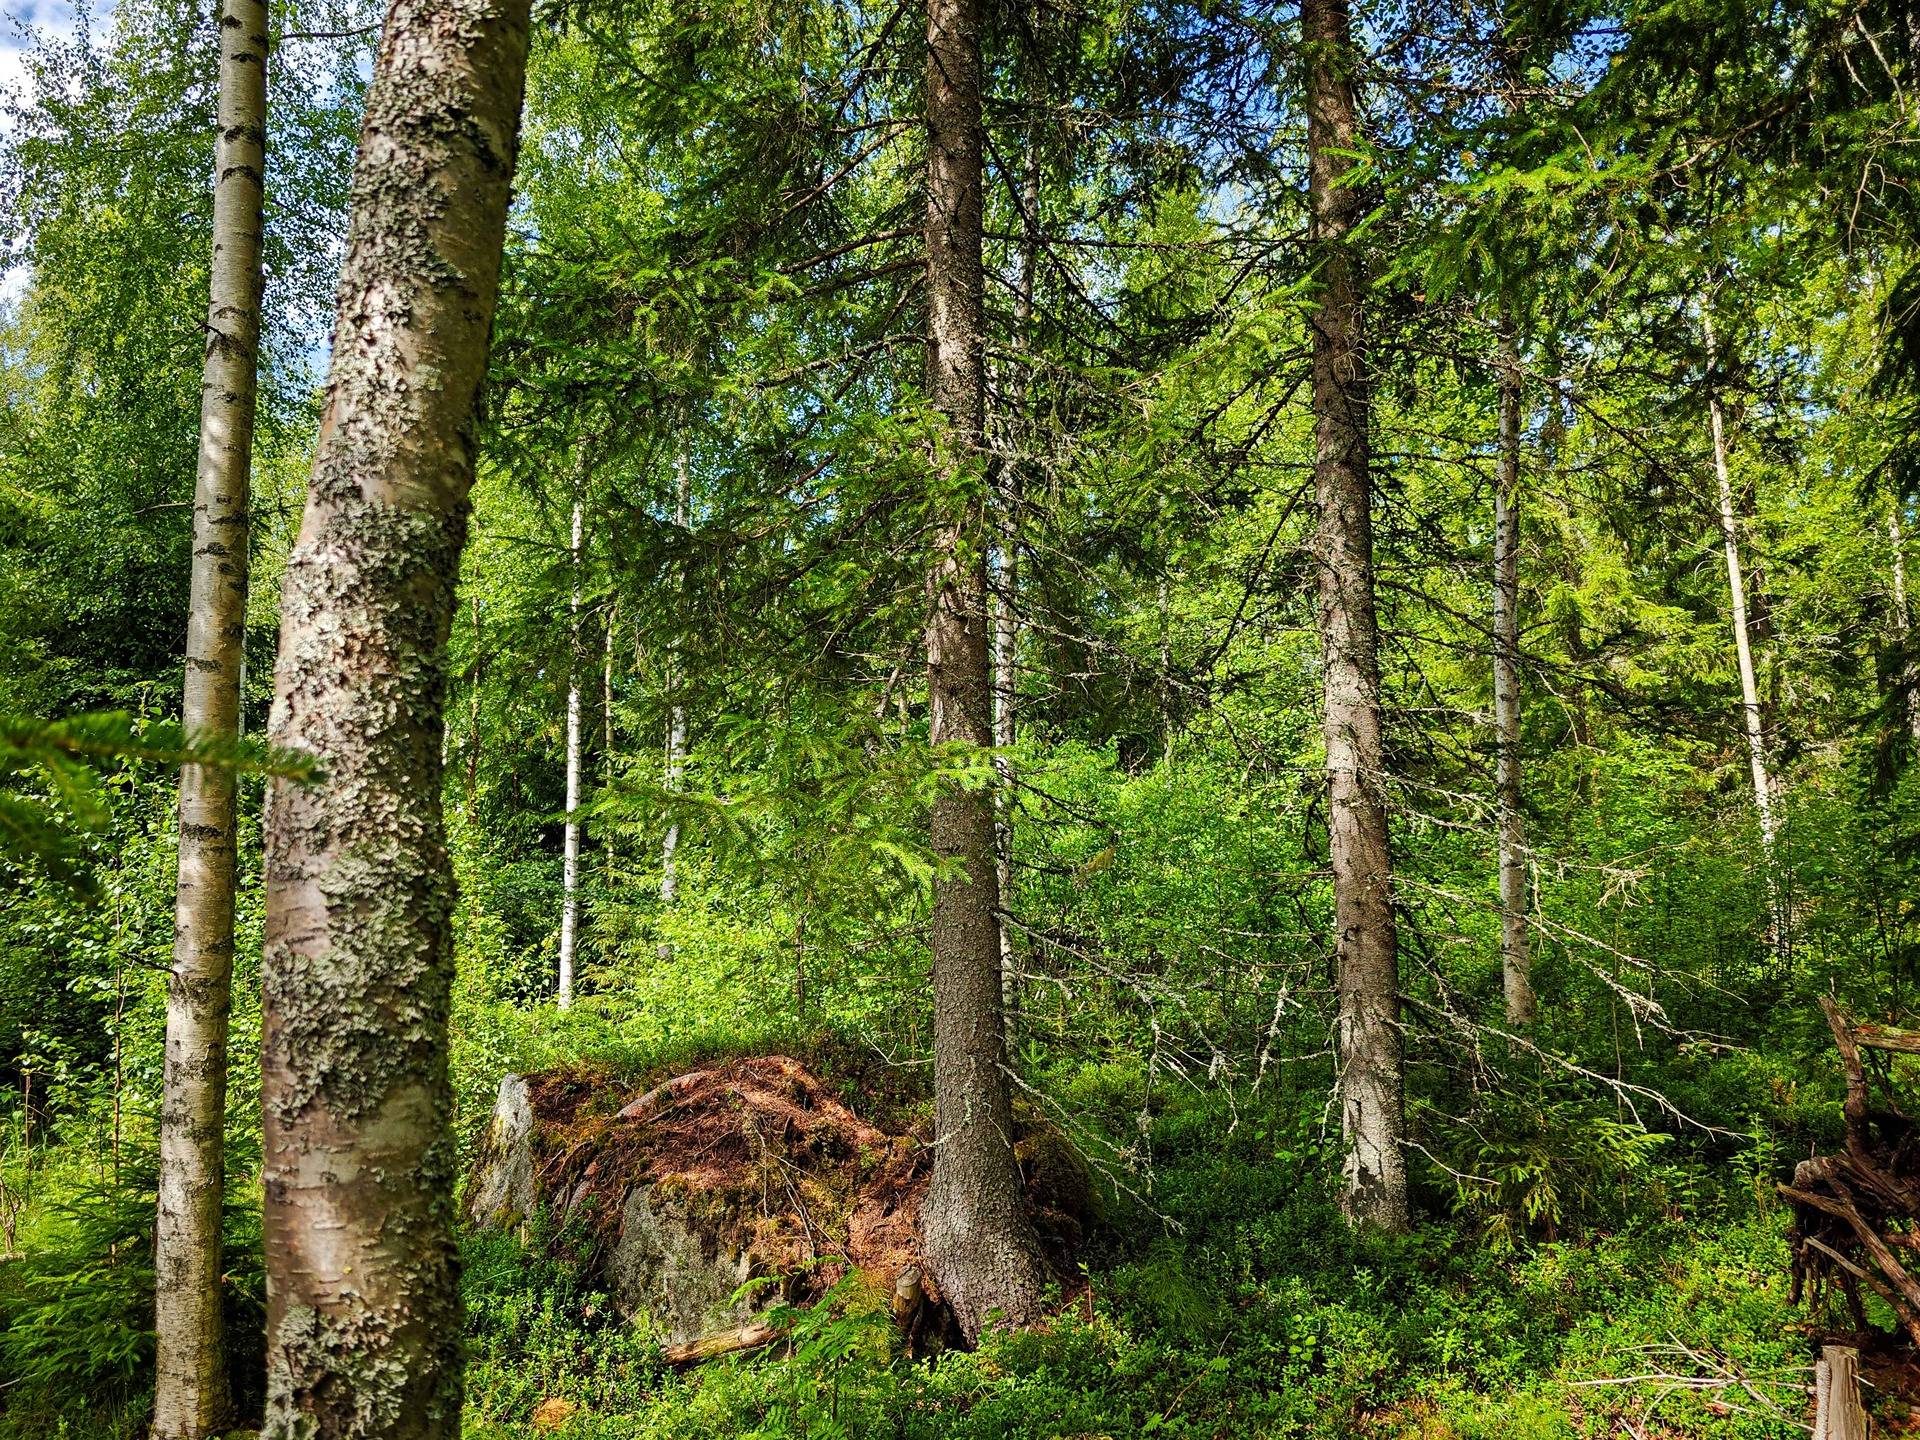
[(1856, 1211)]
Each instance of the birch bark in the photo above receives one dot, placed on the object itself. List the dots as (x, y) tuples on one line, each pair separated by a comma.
[(363, 1309), (190, 1397), (1516, 961)]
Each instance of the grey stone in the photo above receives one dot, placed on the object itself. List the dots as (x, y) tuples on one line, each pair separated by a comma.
[(501, 1191), (658, 1270)]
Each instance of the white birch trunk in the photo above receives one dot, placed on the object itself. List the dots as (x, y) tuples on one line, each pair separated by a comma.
[(1902, 622), (1737, 596), (190, 1379), (676, 710), (570, 863), (1516, 964), (358, 1149)]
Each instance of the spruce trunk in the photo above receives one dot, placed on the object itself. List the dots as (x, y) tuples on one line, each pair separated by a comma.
[(190, 1397), (363, 1309), (979, 1238), (1367, 963)]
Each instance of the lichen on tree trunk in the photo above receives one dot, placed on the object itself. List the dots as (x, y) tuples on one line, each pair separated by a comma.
[(980, 1241), (363, 1309), (190, 1396), (1369, 1049)]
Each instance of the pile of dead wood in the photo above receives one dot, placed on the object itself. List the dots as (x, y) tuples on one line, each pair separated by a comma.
[(1857, 1213)]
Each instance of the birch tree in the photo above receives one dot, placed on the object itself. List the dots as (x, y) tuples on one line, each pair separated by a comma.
[(1753, 721), (1903, 619), (570, 845), (190, 1396), (1516, 963), (363, 1309), (676, 704)]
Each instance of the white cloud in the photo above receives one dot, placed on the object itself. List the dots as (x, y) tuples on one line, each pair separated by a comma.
[(22, 22)]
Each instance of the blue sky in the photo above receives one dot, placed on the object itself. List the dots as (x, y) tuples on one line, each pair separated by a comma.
[(19, 21), (53, 16)]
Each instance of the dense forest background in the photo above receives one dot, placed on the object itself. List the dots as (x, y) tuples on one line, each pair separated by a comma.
[(1641, 285)]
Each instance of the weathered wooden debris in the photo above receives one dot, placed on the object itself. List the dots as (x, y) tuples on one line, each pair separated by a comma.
[(1857, 1212)]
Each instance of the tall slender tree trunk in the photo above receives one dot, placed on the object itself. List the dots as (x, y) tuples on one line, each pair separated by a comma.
[(606, 729), (676, 706), (1737, 596), (473, 709), (570, 845), (1006, 608), (363, 1309), (1903, 621), (980, 1241), (1367, 961), (190, 1377), (1516, 962)]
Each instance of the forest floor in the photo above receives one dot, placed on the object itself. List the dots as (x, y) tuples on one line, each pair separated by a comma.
[(1226, 1300), (1223, 1298)]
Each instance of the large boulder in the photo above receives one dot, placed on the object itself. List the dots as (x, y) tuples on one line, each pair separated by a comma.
[(502, 1190), (751, 1169)]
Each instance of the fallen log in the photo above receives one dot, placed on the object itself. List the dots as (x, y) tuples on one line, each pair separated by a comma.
[(726, 1342)]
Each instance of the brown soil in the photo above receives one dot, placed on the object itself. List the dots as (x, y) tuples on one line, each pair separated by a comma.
[(770, 1161)]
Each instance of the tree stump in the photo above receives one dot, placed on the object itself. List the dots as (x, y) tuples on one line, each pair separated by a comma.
[(1837, 1411)]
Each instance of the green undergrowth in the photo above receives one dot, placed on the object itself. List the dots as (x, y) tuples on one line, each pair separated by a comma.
[(1227, 1301)]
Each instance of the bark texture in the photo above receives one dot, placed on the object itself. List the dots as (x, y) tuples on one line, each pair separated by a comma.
[(676, 708), (1754, 723), (1516, 961), (363, 1310), (1903, 622), (980, 1241), (1006, 607), (1367, 961), (570, 845), (190, 1397)]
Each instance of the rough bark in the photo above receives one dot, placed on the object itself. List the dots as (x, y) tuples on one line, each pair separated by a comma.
[(1516, 962), (190, 1396), (1368, 1043), (363, 1310), (980, 1241), (1753, 721), (570, 844)]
